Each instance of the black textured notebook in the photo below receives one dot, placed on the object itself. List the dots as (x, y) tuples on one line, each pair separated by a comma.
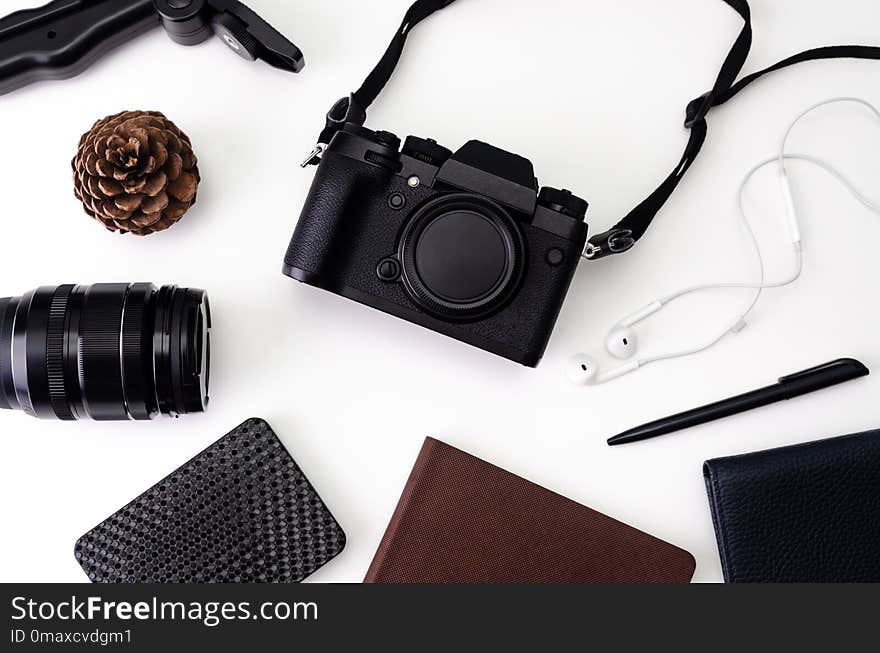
[(803, 514), (240, 512)]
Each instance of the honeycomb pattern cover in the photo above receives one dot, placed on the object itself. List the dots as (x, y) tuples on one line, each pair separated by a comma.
[(240, 512)]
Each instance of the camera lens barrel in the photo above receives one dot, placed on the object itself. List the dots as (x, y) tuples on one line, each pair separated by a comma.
[(105, 352)]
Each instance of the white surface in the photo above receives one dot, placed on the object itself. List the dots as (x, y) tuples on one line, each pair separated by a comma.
[(594, 93)]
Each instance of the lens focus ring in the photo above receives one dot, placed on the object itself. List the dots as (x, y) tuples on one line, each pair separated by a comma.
[(55, 337), (100, 341)]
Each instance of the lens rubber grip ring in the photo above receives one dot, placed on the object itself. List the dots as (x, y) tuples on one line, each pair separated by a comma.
[(99, 348)]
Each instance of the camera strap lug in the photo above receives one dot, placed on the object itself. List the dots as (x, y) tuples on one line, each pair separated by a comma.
[(314, 157), (615, 241), (343, 111)]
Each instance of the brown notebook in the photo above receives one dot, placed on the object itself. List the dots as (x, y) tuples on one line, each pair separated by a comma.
[(462, 520)]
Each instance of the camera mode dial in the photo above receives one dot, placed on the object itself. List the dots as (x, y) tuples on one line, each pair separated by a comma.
[(563, 201)]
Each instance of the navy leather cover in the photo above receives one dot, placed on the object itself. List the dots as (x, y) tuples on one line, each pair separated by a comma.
[(808, 513)]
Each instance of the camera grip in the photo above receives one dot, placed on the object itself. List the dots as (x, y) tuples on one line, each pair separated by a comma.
[(63, 38), (332, 216)]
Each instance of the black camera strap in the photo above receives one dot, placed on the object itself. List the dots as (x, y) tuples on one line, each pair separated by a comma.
[(628, 231)]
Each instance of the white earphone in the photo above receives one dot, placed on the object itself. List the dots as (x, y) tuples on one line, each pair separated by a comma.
[(622, 341)]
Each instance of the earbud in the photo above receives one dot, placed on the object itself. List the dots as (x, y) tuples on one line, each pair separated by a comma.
[(622, 343), (583, 370)]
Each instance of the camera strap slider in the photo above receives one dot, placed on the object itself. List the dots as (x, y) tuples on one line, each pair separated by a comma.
[(698, 109)]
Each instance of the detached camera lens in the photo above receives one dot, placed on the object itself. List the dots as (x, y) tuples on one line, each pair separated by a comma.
[(105, 352)]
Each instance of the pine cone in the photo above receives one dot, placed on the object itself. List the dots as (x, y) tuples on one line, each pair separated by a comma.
[(136, 172)]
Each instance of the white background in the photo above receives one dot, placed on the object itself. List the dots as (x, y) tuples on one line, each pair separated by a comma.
[(594, 93)]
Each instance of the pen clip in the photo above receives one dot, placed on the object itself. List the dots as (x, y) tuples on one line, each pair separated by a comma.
[(850, 365)]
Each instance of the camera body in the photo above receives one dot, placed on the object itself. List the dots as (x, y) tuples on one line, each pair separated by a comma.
[(463, 243)]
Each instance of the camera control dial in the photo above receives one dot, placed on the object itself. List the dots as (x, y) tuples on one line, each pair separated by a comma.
[(426, 150), (563, 201)]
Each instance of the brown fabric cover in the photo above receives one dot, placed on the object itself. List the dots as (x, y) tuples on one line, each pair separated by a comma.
[(462, 520)]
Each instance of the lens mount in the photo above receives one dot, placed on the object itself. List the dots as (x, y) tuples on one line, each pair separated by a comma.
[(462, 257)]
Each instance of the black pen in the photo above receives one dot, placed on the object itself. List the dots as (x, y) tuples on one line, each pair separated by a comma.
[(789, 387)]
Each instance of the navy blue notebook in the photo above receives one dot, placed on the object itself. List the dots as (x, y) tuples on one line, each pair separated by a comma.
[(803, 514)]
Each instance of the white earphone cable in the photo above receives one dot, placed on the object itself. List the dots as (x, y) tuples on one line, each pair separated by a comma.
[(836, 100), (761, 285)]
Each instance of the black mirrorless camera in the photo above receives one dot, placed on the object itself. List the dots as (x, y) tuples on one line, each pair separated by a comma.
[(462, 243)]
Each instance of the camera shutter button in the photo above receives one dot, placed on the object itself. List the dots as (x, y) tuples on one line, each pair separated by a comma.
[(388, 139)]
